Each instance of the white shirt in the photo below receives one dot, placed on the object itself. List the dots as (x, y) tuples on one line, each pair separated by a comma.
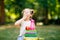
[(23, 26)]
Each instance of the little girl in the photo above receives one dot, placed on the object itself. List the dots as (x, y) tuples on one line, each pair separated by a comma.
[(25, 22)]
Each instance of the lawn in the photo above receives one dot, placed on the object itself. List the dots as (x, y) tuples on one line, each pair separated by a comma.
[(50, 32)]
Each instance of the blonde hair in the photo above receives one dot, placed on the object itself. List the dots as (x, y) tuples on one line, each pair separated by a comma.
[(31, 10)]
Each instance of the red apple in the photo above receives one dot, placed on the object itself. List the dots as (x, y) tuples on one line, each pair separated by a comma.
[(27, 28)]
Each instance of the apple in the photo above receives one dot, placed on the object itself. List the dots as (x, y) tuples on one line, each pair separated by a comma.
[(27, 28)]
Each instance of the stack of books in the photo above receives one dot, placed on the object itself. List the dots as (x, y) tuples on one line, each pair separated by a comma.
[(31, 35)]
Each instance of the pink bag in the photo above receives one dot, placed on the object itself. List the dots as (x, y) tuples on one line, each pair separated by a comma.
[(32, 26)]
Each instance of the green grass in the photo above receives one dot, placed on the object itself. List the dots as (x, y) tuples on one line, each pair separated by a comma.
[(9, 32), (49, 32)]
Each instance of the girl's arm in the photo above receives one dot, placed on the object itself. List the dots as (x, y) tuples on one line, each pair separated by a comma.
[(18, 22)]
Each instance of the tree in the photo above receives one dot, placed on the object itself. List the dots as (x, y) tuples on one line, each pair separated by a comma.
[(2, 13)]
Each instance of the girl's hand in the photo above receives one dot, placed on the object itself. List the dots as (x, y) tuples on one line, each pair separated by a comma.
[(24, 17)]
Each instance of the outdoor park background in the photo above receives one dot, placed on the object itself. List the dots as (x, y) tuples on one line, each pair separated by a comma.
[(47, 17)]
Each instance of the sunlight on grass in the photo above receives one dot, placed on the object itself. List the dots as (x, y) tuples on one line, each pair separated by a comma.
[(2, 28)]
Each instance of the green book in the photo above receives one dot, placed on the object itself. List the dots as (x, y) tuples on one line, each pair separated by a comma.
[(31, 33)]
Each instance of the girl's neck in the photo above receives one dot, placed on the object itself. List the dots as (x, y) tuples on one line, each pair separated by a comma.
[(27, 19)]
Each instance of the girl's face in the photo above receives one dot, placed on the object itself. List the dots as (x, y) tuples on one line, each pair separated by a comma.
[(28, 13)]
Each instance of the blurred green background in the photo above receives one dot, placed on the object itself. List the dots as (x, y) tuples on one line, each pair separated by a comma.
[(46, 11), (47, 18)]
